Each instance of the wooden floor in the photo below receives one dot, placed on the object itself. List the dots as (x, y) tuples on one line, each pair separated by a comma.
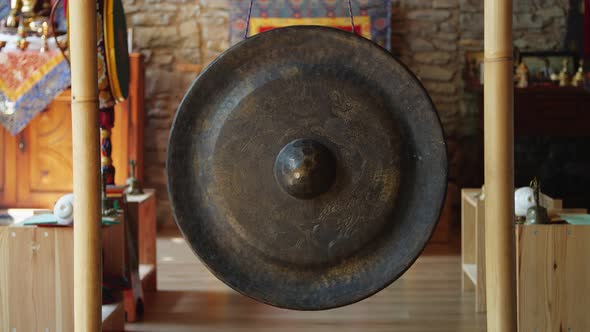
[(427, 298)]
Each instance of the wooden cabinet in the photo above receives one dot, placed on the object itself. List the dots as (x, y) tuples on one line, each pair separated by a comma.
[(2, 166), (552, 277), (44, 156), (559, 112), (37, 272), (142, 220), (552, 137), (8, 181), (473, 244), (36, 165)]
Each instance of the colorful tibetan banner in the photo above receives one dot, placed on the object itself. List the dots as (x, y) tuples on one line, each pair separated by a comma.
[(4, 9), (372, 17), (29, 81)]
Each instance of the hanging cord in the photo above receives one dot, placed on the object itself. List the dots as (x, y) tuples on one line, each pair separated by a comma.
[(54, 30), (351, 16), (248, 20)]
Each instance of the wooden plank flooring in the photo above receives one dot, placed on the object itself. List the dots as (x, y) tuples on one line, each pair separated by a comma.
[(427, 298)]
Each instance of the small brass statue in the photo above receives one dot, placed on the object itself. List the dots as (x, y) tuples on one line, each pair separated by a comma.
[(522, 74), (564, 76), (546, 71), (44, 33), (27, 11), (22, 42), (2, 44), (536, 214), (578, 79), (133, 184)]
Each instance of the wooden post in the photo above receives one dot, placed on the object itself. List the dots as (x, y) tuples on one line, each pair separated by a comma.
[(86, 156), (499, 167)]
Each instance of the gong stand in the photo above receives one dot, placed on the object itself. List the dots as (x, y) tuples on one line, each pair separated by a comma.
[(499, 167), (86, 160), (499, 246)]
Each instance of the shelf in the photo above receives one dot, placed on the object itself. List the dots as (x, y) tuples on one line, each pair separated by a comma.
[(145, 270), (113, 317), (147, 193), (147, 275), (471, 195), (471, 271)]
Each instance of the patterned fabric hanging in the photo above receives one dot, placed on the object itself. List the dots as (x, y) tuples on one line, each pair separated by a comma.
[(372, 17), (29, 81)]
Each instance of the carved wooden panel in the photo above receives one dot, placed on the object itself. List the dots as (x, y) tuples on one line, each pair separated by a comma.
[(50, 150), (7, 169), (44, 157)]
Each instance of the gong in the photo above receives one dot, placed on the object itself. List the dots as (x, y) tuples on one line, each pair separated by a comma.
[(307, 167)]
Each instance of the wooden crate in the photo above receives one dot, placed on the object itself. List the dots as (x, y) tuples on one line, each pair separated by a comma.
[(553, 277), (36, 276)]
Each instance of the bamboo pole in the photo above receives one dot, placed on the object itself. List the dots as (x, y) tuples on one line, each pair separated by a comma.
[(86, 156), (499, 167)]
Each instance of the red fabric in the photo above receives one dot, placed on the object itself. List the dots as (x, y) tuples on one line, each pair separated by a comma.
[(106, 118)]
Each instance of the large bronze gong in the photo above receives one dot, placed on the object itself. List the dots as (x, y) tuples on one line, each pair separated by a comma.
[(307, 168)]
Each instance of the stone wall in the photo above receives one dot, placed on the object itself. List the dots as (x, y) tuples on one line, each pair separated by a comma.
[(173, 35), (430, 36)]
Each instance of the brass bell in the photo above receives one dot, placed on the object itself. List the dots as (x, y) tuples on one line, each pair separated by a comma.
[(536, 214), (133, 184)]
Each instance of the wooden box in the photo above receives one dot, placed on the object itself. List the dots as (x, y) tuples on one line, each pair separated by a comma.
[(553, 277), (36, 277), (141, 210)]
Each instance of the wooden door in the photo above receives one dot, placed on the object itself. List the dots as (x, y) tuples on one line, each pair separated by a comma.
[(2, 165), (7, 168), (45, 157), (36, 165)]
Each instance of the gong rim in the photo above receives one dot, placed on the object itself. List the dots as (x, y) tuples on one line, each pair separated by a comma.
[(275, 287)]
